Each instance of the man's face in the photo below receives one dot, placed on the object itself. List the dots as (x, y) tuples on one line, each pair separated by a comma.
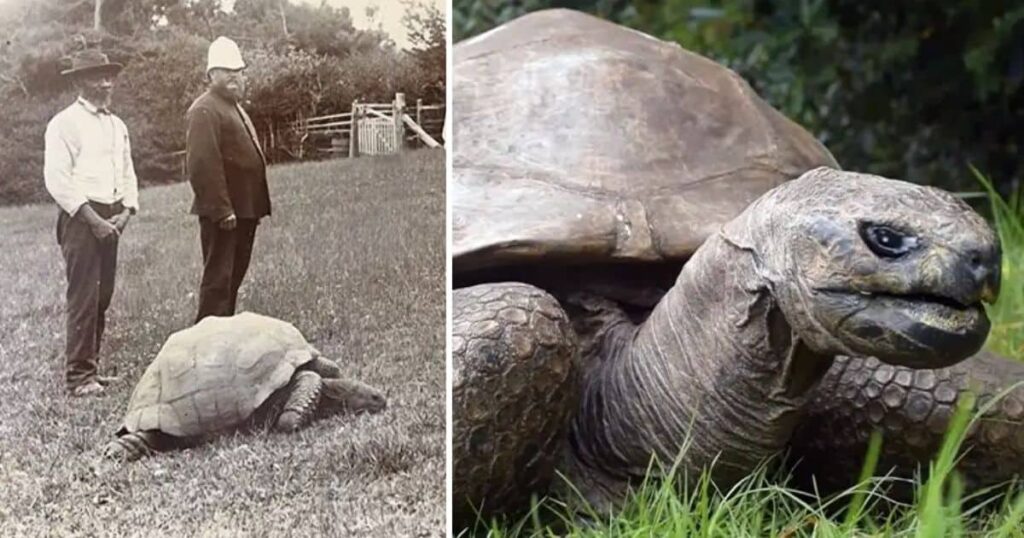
[(230, 83), (96, 88)]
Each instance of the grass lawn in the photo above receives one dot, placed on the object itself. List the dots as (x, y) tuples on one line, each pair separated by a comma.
[(354, 256), (762, 505)]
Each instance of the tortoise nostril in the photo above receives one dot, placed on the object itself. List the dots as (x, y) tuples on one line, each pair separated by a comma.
[(981, 265), (978, 259)]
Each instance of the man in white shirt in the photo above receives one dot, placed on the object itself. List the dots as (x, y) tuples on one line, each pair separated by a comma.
[(89, 173)]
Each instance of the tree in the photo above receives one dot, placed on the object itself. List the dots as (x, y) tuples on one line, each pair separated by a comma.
[(98, 17), (426, 26)]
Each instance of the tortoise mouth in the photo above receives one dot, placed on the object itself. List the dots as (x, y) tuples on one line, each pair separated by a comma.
[(934, 303), (923, 299), (918, 330)]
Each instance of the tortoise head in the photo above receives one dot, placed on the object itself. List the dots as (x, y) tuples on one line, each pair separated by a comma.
[(863, 265), (350, 396)]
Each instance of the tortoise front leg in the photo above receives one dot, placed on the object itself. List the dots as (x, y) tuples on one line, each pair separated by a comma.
[(513, 392), (135, 445), (912, 409), (302, 395)]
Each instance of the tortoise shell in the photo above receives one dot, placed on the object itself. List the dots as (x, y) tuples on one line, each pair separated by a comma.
[(582, 141), (215, 374)]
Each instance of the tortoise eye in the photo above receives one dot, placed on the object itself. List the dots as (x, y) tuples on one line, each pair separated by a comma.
[(886, 241)]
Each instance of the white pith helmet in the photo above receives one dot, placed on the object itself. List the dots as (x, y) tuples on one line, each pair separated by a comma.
[(224, 54)]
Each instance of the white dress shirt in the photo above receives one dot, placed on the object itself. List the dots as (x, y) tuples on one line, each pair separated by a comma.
[(88, 157)]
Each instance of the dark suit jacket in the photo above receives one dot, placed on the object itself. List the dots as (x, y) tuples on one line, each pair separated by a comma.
[(225, 167)]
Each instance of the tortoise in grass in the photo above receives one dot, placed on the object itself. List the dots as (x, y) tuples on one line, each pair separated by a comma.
[(230, 373), (646, 255)]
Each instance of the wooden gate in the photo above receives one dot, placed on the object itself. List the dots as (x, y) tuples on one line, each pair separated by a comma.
[(377, 136)]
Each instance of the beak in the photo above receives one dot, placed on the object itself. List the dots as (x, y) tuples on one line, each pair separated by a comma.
[(990, 280), (990, 292), (976, 277)]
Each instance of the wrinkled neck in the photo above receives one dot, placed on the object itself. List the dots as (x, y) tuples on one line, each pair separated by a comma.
[(714, 368)]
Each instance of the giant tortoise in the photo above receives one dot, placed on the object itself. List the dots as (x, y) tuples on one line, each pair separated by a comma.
[(229, 373), (647, 255)]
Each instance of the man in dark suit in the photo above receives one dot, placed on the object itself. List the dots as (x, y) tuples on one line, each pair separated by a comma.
[(227, 170)]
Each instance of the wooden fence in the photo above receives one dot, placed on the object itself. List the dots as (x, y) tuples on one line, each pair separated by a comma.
[(373, 128), (379, 129)]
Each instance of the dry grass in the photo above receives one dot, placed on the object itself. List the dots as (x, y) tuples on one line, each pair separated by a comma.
[(353, 256)]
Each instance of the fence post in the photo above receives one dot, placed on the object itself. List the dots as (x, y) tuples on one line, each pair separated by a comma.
[(353, 143), (295, 130), (302, 139), (273, 138), (419, 117), (446, 133), (399, 110)]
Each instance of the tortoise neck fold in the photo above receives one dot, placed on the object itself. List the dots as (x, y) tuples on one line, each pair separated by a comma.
[(714, 370)]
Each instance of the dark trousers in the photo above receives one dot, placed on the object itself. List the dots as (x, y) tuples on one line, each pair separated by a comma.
[(226, 255), (91, 266)]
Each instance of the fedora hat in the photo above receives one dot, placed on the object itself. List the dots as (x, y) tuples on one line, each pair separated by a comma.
[(89, 62)]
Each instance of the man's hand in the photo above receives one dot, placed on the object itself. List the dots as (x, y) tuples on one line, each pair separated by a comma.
[(102, 229), (120, 220), (229, 222)]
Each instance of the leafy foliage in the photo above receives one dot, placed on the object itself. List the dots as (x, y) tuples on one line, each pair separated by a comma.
[(910, 90), (426, 26)]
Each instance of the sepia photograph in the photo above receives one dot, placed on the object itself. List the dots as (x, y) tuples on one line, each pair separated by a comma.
[(737, 268), (224, 269)]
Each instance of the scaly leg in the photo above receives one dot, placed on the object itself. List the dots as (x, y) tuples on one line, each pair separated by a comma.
[(514, 389), (302, 394), (135, 445), (912, 408)]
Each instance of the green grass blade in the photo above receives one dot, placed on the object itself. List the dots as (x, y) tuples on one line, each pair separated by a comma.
[(855, 511)]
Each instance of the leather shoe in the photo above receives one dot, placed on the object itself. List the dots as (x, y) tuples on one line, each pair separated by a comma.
[(108, 379), (89, 389)]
